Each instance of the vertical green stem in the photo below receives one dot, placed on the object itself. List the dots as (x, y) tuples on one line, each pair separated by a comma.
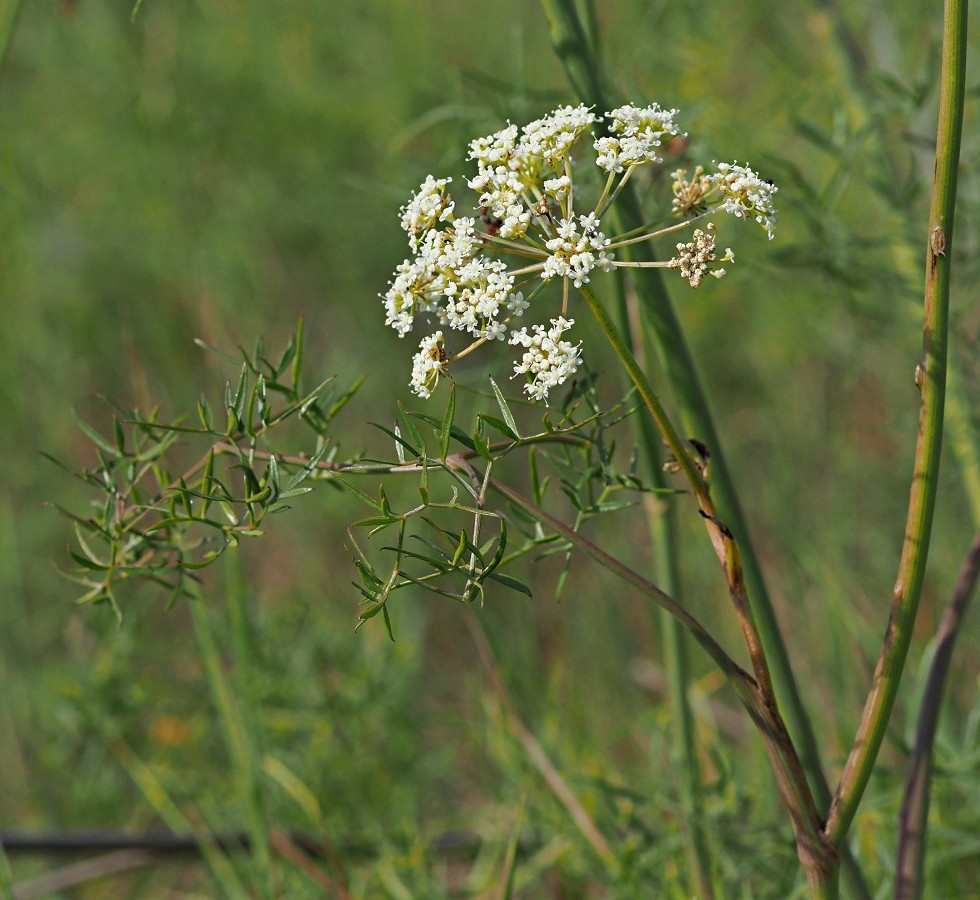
[(931, 378), (662, 524), (663, 533), (236, 737), (577, 53)]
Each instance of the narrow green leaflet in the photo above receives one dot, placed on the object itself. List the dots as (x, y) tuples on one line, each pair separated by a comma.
[(94, 436), (513, 583), (457, 433), (501, 426), (298, 355), (445, 431), (272, 477), (303, 473), (505, 410), (400, 443), (343, 400), (413, 430)]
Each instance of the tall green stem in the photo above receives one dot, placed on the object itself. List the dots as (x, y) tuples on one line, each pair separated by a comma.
[(662, 524), (931, 379), (582, 67)]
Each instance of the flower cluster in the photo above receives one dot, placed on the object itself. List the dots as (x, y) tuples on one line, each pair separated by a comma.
[(637, 133), (529, 208), (747, 195), (428, 364), (691, 195), (577, 248), (426, 208), (695, 258), (547, 358)]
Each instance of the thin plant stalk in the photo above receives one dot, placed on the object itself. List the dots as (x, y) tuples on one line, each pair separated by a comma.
[(661, 518), (9, 10), (537, 755), (915, 808), (580, 60), (931, 379), (236, 737), (222, 871), (963, 443)]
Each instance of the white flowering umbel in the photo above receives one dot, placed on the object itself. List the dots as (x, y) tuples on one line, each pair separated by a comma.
[(637, 135), (529, 207), (547, 359), (428, 207), (746, 195), (696, 258), (576, 250)]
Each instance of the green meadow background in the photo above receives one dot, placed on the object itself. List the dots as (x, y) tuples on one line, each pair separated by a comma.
[(215, 169)]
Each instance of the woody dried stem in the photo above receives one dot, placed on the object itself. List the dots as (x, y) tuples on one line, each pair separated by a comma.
[(816, 855), (725, 546), (915, 808)]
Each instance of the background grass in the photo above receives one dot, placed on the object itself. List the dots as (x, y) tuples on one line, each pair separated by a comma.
[(214, 170)]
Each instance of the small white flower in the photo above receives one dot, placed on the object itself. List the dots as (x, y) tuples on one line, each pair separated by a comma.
[(495, 331), (416, 288), (495, 149), (517, 304), (480, 288), (631, 120), (551, 137), (558, 187)]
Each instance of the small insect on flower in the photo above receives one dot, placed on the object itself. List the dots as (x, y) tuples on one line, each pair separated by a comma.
[(937, 244), (428, 364)]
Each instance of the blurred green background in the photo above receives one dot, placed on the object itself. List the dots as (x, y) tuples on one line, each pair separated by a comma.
[(213, 170)]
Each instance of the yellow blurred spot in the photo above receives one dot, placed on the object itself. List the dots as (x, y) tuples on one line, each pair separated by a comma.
[(169, 730), (819, 26)]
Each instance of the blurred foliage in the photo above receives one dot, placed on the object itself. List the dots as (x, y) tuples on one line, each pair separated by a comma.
[(212, 170)]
